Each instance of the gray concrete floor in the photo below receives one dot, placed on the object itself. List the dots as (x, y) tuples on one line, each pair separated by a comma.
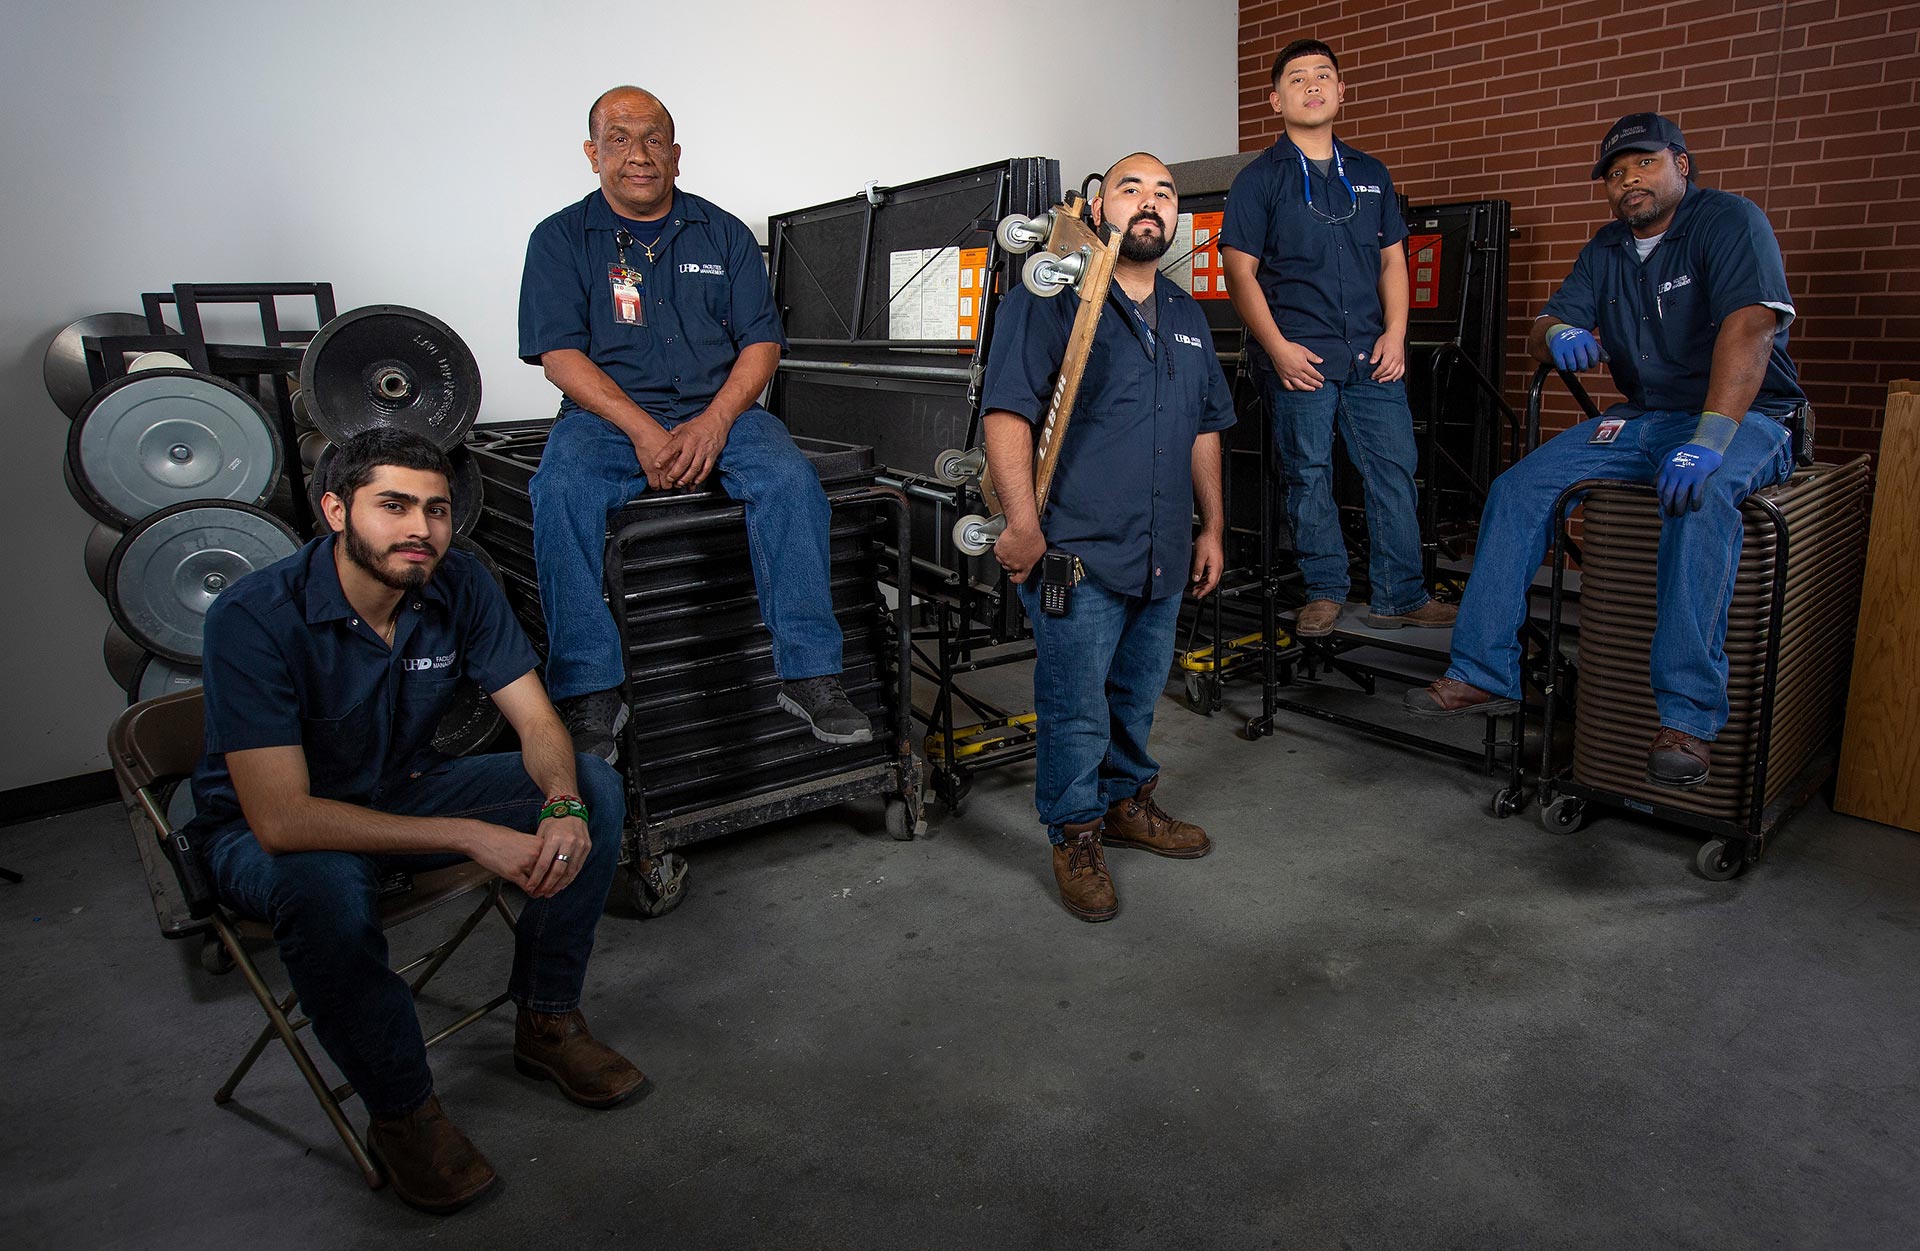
[(1375, 1017)]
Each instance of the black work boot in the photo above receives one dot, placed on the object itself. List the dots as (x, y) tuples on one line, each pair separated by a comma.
[(427, 1160), (594, 721), (823, 705)]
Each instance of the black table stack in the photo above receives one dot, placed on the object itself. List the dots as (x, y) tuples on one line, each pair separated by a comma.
[(706, 750)]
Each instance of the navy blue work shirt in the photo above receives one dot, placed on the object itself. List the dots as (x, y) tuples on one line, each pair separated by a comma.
[(1658, 318), (1321, 278), (1122, 495), (289, 663), (705, 294)]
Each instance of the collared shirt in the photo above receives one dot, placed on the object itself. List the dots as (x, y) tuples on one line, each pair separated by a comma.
[(705, 296), (1658, 318), (1321, 278), (1122, 495), (289, 663)]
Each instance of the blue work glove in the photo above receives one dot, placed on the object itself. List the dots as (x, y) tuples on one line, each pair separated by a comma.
[(1682, 480), (1572, 348)]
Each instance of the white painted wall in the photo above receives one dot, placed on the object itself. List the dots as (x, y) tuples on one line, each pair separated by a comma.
[(402, 151)]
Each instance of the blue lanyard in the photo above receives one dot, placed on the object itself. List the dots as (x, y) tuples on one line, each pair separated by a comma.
[(1340, 172)]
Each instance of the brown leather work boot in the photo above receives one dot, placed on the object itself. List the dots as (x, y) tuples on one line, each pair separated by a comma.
[(1450, 697), (427, 1160), (1139, 822), (1080, 867), (1432, 615), (1678, 760), (558, 1046), (1316, 619)]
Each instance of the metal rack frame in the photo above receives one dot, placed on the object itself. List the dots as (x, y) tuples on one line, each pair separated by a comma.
[(1734, 845), (649, 840)]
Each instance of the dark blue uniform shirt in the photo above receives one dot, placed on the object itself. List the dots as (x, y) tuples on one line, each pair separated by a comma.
[(1122, 495), (289, 663), (1658, 318), (1321, 278), (705, 294)]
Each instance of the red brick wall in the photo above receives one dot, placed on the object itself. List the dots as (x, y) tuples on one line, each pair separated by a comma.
[(1809, 109)]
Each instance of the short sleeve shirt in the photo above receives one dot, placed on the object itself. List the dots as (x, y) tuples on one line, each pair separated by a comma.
[(1320, 264), (703, 297), (1658, 318), (288, 663), (1122, 495)]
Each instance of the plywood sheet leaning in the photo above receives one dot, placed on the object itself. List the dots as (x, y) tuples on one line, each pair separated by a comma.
[(1880, 754)]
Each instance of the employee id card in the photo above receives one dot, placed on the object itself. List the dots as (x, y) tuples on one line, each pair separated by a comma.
[(628, 308), (1608, 430)]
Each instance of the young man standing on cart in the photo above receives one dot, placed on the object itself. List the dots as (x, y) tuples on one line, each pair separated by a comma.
[(1684, 296), (1143, 448), (649, 308), (1315, 254)]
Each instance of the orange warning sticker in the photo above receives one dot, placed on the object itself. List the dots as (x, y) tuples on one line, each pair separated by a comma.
[(1209, 277), (1193, 262), (973, 289)]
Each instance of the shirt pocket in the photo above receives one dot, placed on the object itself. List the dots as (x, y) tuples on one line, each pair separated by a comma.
[(707, 307), (428, 693), (337, 747)]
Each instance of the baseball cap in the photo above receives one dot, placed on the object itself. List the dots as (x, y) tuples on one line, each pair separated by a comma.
[(1638, 132)]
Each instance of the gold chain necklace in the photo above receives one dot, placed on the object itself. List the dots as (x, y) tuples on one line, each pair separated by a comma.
[(624, 239)]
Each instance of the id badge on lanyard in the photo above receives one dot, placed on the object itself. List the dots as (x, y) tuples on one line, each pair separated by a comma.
[(628, 308)]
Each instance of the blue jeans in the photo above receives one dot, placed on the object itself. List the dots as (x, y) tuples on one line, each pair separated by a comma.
[(1096, 676), (325, 921), (589, 471), (1378, 429), (1699, 554)]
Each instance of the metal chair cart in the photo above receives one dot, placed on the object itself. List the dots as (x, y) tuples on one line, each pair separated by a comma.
[(1788, 647), (706, 751)]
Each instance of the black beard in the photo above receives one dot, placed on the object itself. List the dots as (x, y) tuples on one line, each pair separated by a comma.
[(360, 552), (1645, 217), (1135, 248)]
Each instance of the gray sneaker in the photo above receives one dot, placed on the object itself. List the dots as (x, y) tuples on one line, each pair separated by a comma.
[(823, 705), (594, 721)]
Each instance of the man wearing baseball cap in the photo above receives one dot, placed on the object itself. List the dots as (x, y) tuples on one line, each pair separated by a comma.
[(1685, 298)]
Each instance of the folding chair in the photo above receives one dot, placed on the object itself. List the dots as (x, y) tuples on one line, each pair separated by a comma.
[(158, 743)]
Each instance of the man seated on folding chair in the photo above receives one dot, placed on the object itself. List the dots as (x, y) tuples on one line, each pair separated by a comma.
[(1688, 293), (325, 677)]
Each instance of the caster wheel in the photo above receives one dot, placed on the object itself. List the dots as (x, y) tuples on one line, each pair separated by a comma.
[(1719, 861), (1563, 816), (900, 820), (1019, 234), (957, 465), (1507, 801), (656, 887), (1199, 698), (214, 956), (974, 534), (1047, 275)]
